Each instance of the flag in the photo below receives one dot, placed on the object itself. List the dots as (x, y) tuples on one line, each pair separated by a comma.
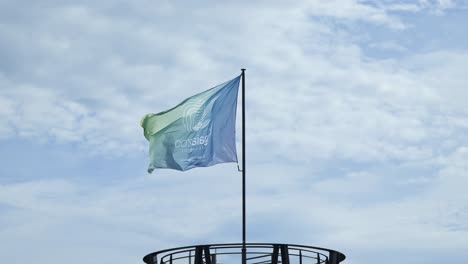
[(199, 132)]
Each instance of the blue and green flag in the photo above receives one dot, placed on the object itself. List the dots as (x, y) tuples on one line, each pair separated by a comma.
[(199, 132)]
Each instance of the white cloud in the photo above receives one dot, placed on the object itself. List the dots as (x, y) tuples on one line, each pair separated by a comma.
[(389, 46), (355, 10), (123, 86), (437, 7)]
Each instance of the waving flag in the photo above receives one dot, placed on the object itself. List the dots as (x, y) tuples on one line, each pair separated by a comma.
[(199, 132)]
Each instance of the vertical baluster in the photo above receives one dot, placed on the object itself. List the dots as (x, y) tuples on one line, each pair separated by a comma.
[(274, 256), (198, 255), (206, 250), (284, 254)]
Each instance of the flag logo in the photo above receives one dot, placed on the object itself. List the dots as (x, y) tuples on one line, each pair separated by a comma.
[(195, 117)]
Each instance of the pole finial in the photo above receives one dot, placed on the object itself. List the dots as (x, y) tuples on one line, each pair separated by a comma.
[(243, 69)]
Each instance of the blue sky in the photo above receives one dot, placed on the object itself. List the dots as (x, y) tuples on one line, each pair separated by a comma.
[(356, 127)]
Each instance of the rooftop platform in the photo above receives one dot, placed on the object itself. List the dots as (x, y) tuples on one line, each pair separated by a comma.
[(256, 253)]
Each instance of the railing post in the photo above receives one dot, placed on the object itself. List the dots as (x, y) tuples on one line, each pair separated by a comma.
[(170, 259), (206, 249), (284, 254), (333, 257), (300, 256), (274, 255), (198, 255)]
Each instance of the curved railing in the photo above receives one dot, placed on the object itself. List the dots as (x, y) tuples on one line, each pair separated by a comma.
[(256, 253)]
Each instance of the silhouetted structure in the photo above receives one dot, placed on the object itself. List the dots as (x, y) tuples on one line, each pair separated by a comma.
[(257, 253)]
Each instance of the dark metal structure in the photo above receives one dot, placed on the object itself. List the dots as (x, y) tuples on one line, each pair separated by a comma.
[(256, 253)]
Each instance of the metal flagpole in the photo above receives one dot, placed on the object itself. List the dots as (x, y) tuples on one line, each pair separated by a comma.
[(244, 252)]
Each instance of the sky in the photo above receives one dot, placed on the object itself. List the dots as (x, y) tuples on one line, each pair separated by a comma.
[(356, 121)]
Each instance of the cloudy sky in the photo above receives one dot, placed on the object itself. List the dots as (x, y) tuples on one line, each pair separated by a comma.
[(357, 121)]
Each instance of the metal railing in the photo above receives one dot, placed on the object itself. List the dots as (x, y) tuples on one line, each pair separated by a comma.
[(257, 253)]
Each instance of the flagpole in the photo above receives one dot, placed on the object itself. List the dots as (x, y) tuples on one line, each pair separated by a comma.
[(244, 252)]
